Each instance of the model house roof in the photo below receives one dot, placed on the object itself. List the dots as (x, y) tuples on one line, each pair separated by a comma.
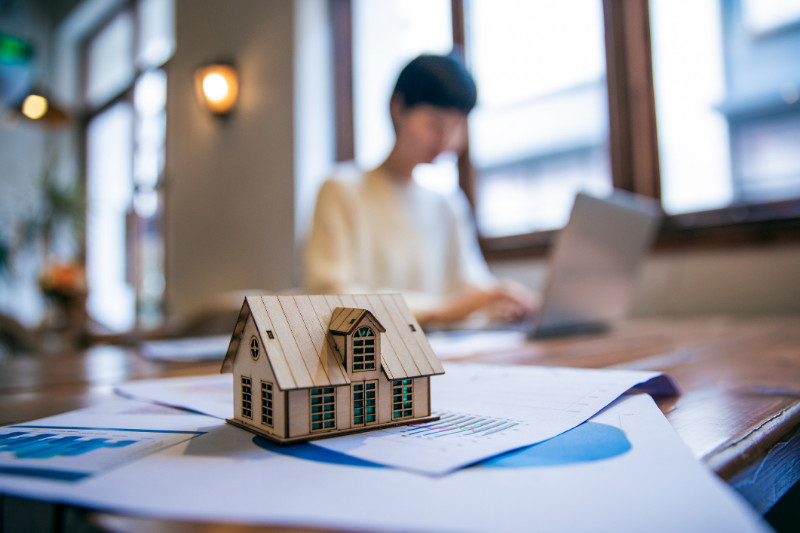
[(294, 330), (345, 319)]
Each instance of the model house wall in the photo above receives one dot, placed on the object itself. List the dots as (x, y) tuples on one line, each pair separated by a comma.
[(307, 367)]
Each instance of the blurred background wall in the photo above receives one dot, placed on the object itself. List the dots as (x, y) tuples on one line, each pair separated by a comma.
[(239, 190)]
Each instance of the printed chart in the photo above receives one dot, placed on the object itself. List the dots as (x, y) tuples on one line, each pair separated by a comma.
[(75, 453), (458, 425)]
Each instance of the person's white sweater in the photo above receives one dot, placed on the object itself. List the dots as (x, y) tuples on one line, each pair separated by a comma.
[(372, 233)]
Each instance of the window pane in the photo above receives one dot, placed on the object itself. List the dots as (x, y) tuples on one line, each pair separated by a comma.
[(109, 143), (539, 133), (731, 135), (110, 60), (156, 32), (386, 35)]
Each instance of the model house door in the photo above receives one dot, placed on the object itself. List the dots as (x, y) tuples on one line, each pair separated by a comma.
[(365, 402)]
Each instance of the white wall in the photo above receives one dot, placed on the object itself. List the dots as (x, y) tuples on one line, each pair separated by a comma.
[(756, 280), (230, 183)]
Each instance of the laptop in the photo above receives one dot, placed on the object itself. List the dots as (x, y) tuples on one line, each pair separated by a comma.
[(594, 264), (593, 268)]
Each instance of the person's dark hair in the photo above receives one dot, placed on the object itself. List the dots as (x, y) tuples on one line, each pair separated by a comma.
[(437, 80)]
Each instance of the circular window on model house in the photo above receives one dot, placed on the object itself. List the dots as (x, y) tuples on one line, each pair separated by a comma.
[(254, 348)]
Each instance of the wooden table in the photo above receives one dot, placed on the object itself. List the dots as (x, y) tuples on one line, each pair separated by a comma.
[(739, 411)]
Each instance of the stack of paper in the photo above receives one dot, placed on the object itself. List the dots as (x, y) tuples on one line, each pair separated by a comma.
[(623, 470)]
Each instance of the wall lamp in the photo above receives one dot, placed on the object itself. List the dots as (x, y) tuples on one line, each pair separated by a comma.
[(36, 106), (217, 87)]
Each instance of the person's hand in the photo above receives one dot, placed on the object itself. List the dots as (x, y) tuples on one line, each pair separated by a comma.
[(506, 301)]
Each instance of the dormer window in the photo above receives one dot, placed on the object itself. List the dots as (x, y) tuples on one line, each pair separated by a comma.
[(363, 349)]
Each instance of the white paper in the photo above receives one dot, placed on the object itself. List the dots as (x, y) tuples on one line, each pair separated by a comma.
[(485, 410), (643, 479), (208, 394), (88, 442), (187, 348), (464, 344), (491, 409)]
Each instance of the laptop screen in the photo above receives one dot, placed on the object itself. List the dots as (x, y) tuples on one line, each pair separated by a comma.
[(595, 261)]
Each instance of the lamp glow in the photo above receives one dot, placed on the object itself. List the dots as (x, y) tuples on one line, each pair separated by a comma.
[(34, 106), (217, 87)]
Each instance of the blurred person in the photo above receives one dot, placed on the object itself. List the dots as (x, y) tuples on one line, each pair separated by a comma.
[(380, 231)]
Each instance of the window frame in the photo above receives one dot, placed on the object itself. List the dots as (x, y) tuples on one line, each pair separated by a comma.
[(360, 392), (247, 397), (267, 404), (367, 358), (633, 141), (402, 394), (319, 420), (136, 225)]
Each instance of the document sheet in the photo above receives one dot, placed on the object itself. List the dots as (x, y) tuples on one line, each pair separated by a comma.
[(485, 410), (625, 470)]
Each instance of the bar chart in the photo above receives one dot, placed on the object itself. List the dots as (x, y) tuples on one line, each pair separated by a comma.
[(456, 424), (27, 445), (74, 453)]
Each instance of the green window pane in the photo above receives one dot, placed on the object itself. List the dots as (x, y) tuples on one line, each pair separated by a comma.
[(370, 418), (370, 410), (358, 420), (330, 424)]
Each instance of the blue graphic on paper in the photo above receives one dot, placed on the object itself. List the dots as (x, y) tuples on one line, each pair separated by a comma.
[(75, 453), (591, 441)]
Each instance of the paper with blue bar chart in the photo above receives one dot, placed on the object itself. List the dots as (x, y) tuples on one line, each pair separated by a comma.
[(74, 453), (536, 403), (484, 410), (71, 448)]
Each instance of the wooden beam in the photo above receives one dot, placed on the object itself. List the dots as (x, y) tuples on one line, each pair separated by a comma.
[(633, 138)]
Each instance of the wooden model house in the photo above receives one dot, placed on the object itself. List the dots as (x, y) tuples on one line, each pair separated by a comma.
[(306, 367)]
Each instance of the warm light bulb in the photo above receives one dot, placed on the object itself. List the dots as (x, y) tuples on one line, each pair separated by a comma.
[(215, 87), (34, 107)]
